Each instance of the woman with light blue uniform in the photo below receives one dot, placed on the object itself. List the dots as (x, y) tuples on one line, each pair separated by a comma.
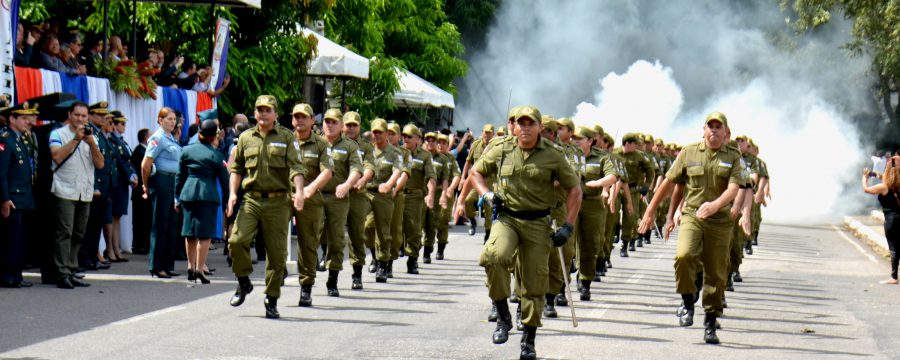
[(158, 169)]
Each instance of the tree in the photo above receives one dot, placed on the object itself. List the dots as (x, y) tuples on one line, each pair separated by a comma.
[(876, 31)]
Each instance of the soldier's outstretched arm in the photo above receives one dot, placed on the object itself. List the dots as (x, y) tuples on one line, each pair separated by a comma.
[(573, 204)]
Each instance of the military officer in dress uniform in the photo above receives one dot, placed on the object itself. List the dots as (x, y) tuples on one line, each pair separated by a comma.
[(18, 167), (105, 179), (127, 178), (266, 164)]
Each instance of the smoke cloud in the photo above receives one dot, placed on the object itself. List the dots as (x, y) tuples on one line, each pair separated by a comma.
[(660, 67)]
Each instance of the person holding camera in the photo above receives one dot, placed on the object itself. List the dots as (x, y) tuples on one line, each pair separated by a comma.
[(76, 155)]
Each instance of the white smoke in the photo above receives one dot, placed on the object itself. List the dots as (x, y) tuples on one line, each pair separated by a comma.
[(662, 66)]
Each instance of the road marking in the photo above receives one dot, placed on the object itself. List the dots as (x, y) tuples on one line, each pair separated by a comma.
[(634, 279), (855, 244), (148, 315)]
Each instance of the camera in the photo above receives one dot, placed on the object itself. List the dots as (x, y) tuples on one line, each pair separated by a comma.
[(87, 131)]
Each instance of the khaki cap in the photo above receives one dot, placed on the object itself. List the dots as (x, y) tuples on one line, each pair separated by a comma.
[(511, 114), (501, 130), (378, 125), (566, 122), (118, 117), (304, 109), (609, 139), (549, 123), (717, 116), (660, 142), (267, 101), (598, 130), (431, 134), (352, 117), (442, 137), (584, 132), (334, 114), (393, 127), (632, 138), (530, 112), (742, 138), (412, 130), (488, 128)]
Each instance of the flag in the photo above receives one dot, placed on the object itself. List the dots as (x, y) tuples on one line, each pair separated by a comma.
[(220, 54), (9, 22)]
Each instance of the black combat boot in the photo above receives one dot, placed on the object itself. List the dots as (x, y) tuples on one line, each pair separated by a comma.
[(271, 305), (729, 284), (561, 299), (389, 271), (601, 266), (487, 235), (527, 344), (494, 315), (623, 252), (549, 309), (748, 248), (381, 272), (755, 237), (710, 334), (373, 265), (647, 237), (320, 267), (305, 296), (412, 265), (427, 258), (356, 279), (640, 241), (331, 284), (585, 290), (737, 277), (244, 287), (504, 322), (519, 325), (686, 318), (440, 252), (472, 226), (609, 263)]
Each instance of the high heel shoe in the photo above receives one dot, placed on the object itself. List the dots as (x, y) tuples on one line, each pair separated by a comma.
[(172, 273), (160, 274), (202, 277), (192, 275)]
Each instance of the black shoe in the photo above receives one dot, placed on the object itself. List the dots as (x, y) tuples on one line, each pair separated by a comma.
[(25, 284), (321, 266), (597, 276), (549, 309), (624, 251), (191, 277), (631, 245), (172, 273), (519, 325), (494, 315), (331, 284), (572, 268), (681, 309), (514, 298), (412, 266), (709, 336), (65, 283), (440, 252), (244, 287), (561, 300), (748, 249), (472, 225), (439, 256), (755, 243), (271, 305), (381, 272), (91, 266), (615, 240), (202, 277), (305, 296), (729, 285), (640, 243), (10, 284), (334, 292), (78, 276), (372, 267), (687, 317), (527, 345), (78, 283), (357, 283), (159, 274), (228, 260), (647, 239), (585, 290), (389, 271), (504, 322), (737, 277), (427, 259)]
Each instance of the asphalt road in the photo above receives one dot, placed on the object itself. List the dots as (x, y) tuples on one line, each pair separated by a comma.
[(809, 292)]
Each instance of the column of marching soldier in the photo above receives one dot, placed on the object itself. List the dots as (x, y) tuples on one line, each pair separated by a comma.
[(546, 184)]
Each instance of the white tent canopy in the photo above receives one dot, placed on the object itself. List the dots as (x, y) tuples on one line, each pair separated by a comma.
[(415, 92), (335, 60)]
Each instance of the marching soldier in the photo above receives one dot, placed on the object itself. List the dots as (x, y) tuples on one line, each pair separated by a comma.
[(359, 200), (266, 162), (394, 134), (421, 176), (316, 159), (711, 173), (475, 152), (525, 170), (388, 170), (606, 143), (18, 168), (435, 215), (443, 225), (639, 170)]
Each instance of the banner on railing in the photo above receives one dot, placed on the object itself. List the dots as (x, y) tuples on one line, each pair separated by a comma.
[(220, 54)]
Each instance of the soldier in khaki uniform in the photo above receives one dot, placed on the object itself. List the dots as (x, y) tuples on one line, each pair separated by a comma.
[(711, 173), (525, 170), (606, 143), (266, 161), (359, 199), (475, 152), (394, 134), (388, 169), (435, 215), (640, 170), (449, 192), (348, 169), (421, 177), (316, 158), (664, 162)]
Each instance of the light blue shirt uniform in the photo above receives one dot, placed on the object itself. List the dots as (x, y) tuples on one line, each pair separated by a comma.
[(165, 152)]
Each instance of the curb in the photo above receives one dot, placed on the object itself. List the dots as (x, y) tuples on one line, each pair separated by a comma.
[(876, 241)]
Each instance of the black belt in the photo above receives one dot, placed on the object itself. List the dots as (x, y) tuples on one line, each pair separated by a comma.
[(327, 192), (407, 191), (632, 184), (526, 215), (267, 195)]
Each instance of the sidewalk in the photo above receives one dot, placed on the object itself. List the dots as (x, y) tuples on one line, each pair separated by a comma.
[(869, 229)]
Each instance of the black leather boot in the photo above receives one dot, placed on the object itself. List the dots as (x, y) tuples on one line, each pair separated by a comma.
[(494, 315), (686, 318), (561, 299), (271, 305), (440, 252), (472, 226), (381, 271), (737, 277), (331, 284), (647, 238), (710, 334), (609, 263), (244, 287), (748, 248), (389, 271), (549, 309), (412, 265), (373, 265), (585, 290), (729, 284), (427, 258), (601, 266), (320, 267), (519, 325), (632, 243), (504, 322), (527, 344), (356, 279), (305, 296), (623, 252)]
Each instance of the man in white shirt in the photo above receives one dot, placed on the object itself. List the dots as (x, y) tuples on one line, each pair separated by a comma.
[(75, 157)]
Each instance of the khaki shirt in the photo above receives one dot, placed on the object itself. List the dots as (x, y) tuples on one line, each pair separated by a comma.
[(597, 165), (477, 149), (365, 153), (270, 163), (386, 162), (345, 155), (640, 170), (441, 170), (404, 158), (315, 156), (525, 179), (619, 161), (453, 165), (420, 169), (706, 174)]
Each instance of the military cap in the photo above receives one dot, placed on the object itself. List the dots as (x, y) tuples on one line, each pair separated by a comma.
[(511, 114), (303, 109), (24, 108), (488, 128), (501, 130), (717, 116), (352, 117), (118, 116), (528, 111), (333, 114), (267, 101), (393, 127), (660, 142), (99, 108), (211, 114), (442, 137), (598, 130), (648, 138), (566, 122), (549, 123), (378, 125), (741, 138), (431, 134), (609, 139), (632, 138), (584, 132), (412, 130)]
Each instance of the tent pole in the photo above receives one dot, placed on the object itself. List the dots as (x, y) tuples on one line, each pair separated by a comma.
[(105, 29), (343, 94)]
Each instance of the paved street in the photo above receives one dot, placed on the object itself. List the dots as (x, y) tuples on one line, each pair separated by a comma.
[(809, 292)]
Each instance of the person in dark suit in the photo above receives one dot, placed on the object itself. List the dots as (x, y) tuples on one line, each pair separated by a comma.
[(141, 208), (18, 164), (196, 194), (119, 196)]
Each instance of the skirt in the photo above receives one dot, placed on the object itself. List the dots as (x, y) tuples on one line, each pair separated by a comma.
[(199, 219)]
